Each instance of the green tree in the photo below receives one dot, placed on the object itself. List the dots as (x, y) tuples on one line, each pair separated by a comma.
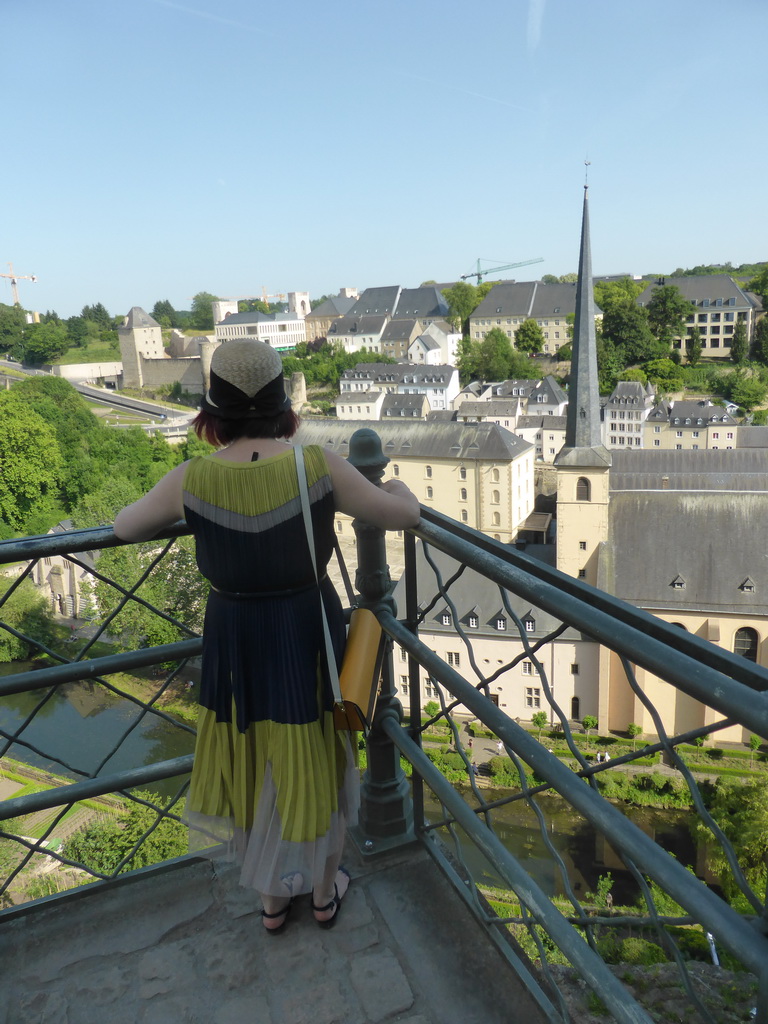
[(755, 742), (626, 326), (759, 285), (747, 391), (760, 341), (466, 360), (99, 315), (693, 346), (664, 374), (31, 463), (622, 292), (26, 611), (539, 721), (668, 310), (589, 722), (165, 314), (494, 356), (202, 311), (12, 324), (462, 298), (636, 374), (740, 808), (609, 364), (529, 337), (45, 342), (103, 844), (739, 345), (633, 731)]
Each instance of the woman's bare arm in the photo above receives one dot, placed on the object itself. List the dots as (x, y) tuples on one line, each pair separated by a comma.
[(391, 507), (162, 506)]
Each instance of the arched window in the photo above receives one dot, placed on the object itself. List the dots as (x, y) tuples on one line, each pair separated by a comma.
[(583, 489), (496, 519), (429, 493), (575, 709), (428, 471), (495, 497), (395, 469), (745, 643), (495, 475), (463, 493), (462, 473), (464, 516)]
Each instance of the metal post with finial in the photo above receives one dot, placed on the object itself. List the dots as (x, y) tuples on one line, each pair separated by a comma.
[(386, 811)]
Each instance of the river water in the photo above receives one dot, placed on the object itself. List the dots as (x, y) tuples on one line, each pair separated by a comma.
[(81, 723)]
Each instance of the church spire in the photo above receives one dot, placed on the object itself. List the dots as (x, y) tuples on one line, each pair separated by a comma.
[(583, 442)]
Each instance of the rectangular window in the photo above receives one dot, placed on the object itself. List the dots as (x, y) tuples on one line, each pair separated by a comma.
[(532, 697), (574, 669), (582, 545), (454, 658), (527, 667)]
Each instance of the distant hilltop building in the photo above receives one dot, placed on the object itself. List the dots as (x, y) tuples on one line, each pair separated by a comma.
[(146, 363)]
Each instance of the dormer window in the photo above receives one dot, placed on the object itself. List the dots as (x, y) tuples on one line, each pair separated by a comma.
[(445, 618), (678, 583), (501, 623), (473, 621), (530, 624), (747, 587)]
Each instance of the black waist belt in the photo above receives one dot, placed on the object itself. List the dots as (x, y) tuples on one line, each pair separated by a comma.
[(235, 595)]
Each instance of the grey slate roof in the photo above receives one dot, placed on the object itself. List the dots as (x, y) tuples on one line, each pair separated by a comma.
[(753, 437), (404, 405), (552, 422), (738, 469), (441, 416), (473, 593), (420, 439), (429, 343), (376, 301), (371, 395), (335, 305), (398, 330), (420, 302), (628, 392), (397, 373), (256, 317), (493, 407), (551, 390), (355, 324), (705, 286), (528, 299), (698, 412), (138, 318), (700, 540)]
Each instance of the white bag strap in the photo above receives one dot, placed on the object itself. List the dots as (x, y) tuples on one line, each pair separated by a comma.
[(301, 474)]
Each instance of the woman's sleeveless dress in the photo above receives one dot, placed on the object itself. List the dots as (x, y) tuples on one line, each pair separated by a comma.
[(271, 774)]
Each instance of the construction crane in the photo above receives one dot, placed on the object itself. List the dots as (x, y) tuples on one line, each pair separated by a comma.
[(14, 279), (280, 296), (480, 273)]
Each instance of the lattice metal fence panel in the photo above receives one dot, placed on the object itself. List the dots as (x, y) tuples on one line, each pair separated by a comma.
[(96, 738), (551, 864)]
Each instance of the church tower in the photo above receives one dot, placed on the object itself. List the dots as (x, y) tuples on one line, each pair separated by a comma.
[(583, 463)]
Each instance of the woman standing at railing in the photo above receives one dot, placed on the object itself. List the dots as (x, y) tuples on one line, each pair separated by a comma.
[(270, 772)]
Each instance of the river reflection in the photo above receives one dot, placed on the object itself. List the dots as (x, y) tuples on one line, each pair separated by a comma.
[(585, 853), (79, 725)]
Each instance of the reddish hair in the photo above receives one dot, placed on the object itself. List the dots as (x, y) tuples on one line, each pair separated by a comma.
[(220, 432)]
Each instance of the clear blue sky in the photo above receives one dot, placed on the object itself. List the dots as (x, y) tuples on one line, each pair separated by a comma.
[(157, 148)]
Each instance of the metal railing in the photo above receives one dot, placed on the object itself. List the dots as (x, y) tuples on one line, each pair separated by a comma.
[(457, 824)]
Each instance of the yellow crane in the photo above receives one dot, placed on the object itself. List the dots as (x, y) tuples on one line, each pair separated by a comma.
[(14, 279)]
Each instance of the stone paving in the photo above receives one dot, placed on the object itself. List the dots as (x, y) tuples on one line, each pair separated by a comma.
[(187, 945)]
